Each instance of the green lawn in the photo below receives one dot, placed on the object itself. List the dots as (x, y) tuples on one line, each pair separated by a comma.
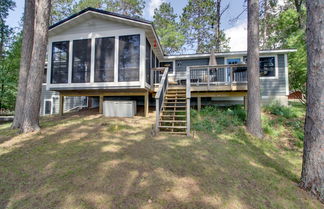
[(88, 161)]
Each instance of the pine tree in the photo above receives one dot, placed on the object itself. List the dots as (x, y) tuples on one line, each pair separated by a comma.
[(83, 4), (132, 8), (37, 64), (198, 20), (254, 99), (27, 44), (312, 178), (5, 7), (61, 9), (168, 29)]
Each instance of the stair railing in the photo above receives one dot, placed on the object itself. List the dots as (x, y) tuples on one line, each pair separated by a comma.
[(159, 97), (188, 96)]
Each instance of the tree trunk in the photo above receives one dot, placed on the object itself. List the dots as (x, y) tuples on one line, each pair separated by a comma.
[(264, 29), (27, 45), (254, 107), (312, 177), (2, 37), (35, 77), (298, 5), (217, 26)]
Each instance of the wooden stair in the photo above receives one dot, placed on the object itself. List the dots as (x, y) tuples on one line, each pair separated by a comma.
[(173, 119)]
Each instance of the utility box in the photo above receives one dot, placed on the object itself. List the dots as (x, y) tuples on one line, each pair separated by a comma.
[(119, 108)]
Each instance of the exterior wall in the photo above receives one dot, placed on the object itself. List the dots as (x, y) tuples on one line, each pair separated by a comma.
[(272, 88), (54, 97), (181, 65), (91, 29), (275, 89)]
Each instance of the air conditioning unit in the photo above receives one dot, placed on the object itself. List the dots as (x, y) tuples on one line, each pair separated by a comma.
[(119, 108)]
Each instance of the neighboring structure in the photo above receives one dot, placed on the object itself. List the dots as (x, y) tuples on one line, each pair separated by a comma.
[(108, 56)]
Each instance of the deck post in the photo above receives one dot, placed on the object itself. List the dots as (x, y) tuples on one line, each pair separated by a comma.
[(61, 108), (245, 102), (157, 112), (146, 104), (199, 103), (100, 104)]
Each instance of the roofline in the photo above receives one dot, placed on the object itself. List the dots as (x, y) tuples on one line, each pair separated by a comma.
[(101, 12), (233, 53)]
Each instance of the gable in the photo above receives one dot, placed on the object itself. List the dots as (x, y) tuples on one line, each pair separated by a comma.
[(89, 24)]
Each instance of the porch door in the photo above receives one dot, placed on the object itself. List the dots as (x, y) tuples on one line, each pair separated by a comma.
[(231, 61)]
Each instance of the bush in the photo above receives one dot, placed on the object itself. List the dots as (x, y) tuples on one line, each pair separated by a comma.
[(215, 119), (277, 109)]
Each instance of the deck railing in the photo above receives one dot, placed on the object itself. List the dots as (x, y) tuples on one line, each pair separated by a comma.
[(206, 75), (188, 97), (157, 74), (159, 97)]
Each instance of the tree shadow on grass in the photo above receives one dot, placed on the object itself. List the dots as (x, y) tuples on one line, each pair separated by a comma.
[(97, 162)]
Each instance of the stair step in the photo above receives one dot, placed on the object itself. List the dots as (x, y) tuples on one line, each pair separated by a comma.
[(173, 121), (174, 111), (176, 127), (179, 107), (175, 98), (174, 102), (176, 89), (172, 132), (176, 116), (176, 93)]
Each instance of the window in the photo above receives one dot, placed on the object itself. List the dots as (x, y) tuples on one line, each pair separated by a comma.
[(129, 58), (233, 61), (60, 62), (81, 61), (267, 67), (148, 62), (167, 64), (48, 107), (105, 59)]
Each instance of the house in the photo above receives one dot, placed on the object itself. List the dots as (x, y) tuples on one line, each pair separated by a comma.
[(96, 55)]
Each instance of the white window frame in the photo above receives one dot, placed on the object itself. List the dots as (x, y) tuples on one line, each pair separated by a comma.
[(93, 36), (276, 68), (44, 108), (261, 77)]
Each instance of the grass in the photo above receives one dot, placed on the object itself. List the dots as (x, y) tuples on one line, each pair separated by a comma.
[(88, 161)]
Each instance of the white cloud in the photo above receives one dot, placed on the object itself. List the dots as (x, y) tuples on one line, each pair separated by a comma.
[(153, 4), (238, 35)]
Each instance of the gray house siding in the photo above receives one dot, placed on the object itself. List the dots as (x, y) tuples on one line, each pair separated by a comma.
[(276, 86), (181, 65), (272, 89), (53, 97)]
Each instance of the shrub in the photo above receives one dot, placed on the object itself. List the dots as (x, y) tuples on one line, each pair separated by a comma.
[(277, 109), (215, 119)]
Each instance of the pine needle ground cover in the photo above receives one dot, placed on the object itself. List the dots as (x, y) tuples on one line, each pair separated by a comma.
[(88, 161)]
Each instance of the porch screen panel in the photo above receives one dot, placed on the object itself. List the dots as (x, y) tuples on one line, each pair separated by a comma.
[(105, 59), (153, 60), (129, 58), (60, 62), (148, 62), (81, 61)]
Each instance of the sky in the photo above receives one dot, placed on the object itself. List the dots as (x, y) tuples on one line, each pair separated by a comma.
[(237, 32)]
